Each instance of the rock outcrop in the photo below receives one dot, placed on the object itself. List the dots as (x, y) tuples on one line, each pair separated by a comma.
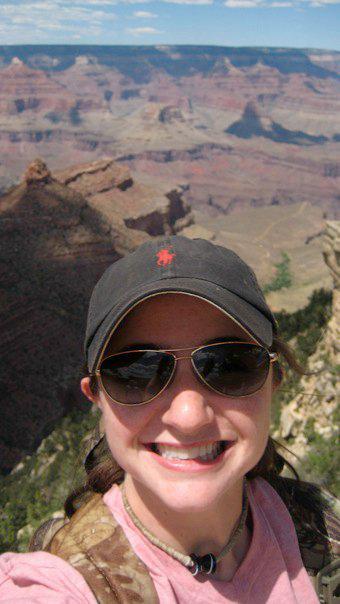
[(170, 114), (252, 124), (57, 236), (331, 252), (133, 210), (37, 172), (314, 408)]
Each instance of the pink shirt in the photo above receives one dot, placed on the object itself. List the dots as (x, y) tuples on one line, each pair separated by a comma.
[(271, 573)]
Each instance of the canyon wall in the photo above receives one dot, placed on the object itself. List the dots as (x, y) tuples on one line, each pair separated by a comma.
[(314, 411), (58, 233)]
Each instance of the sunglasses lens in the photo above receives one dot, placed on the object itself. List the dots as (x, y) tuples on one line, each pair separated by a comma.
[(133, 378), (233, 369)]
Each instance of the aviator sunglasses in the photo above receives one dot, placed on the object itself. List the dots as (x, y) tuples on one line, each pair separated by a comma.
[(136, 377)]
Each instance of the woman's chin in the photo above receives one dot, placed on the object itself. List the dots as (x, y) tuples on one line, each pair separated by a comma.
[(192, 497)]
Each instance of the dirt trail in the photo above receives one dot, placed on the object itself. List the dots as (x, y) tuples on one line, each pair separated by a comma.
[(271, 226)]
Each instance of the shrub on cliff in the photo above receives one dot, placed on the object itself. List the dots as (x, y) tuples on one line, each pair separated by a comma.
[(283, 276), (38, 486)]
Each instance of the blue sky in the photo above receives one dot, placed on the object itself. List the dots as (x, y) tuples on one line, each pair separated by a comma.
[(290, 23)]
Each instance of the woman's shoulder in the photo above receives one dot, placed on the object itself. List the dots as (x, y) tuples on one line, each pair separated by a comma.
[(307, 503), (314, 510), (41, 577), (314, 513)]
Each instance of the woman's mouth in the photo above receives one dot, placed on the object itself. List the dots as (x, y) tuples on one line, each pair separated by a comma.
[(190, 457)]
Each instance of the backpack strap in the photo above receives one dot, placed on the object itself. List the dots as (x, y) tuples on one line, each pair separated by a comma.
[(95, 544), (327, 583), (45, 533)]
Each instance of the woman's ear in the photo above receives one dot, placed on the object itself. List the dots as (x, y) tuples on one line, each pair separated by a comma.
[(86, 390)]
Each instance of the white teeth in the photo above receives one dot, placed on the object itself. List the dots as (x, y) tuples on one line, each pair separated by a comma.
[(204, 452)]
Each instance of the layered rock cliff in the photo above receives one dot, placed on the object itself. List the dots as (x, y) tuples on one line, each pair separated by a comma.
[(57, 237), (314, 412), (133, 210)]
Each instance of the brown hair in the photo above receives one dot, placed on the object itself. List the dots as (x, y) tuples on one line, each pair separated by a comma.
[(103, 471)]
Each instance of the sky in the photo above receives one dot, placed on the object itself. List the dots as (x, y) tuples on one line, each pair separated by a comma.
[(283, 23)]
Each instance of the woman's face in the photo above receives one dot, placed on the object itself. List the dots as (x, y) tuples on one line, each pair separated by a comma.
[(186, 414)]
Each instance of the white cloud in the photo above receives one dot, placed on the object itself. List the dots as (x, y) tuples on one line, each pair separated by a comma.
[(22, 19), (144, 14), (37, 6), (197, 2), (96, 2), (84, 3), (318, 3), (243, 3), (281, 4), (34, 21), (53, 12), (29, 6), (140, 31)]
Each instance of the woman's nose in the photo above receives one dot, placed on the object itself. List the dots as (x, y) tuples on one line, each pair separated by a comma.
[(189, 410)]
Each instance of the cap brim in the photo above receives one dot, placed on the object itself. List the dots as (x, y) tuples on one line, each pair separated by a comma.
[(247, 316)]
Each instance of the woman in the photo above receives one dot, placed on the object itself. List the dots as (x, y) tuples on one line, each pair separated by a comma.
[(183, 359)]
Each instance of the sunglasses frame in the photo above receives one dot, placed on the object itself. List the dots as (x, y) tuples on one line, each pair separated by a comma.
[(273, 357)]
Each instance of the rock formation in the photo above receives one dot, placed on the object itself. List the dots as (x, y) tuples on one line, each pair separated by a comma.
[(252, 124), (132, 210), (56, 240), (170, 114), (331, 252), (314, 408), (37, 172)]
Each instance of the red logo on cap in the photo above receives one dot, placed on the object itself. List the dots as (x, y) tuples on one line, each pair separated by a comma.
[(165, 257)]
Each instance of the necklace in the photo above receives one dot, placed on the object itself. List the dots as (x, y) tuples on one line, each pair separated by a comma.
[(196, 564)]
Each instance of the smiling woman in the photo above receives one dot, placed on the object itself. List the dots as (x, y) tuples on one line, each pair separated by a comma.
[(184, 501)]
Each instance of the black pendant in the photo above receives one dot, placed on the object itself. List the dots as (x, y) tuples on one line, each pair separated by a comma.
[(203, 564)]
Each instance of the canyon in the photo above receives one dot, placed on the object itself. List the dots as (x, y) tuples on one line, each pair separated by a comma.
[(237, 127)]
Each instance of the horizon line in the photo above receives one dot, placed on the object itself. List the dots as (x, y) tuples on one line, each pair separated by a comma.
[(89, 45)]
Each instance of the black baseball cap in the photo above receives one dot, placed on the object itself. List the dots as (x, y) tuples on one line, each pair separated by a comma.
[(177, 264)]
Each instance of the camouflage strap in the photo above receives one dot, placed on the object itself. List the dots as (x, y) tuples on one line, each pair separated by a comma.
[(94, 544), (327, 583), (45, 533)]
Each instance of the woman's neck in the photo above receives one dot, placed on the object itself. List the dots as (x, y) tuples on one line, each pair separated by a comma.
[(201, 532)]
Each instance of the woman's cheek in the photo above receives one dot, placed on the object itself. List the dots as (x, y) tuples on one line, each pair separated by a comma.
[(250, 417), (123, 426)]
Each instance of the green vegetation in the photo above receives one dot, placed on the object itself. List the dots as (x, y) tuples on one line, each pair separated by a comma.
[(303, 329), (323, 460), (283, 276), (41, 483), (54, 117)]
